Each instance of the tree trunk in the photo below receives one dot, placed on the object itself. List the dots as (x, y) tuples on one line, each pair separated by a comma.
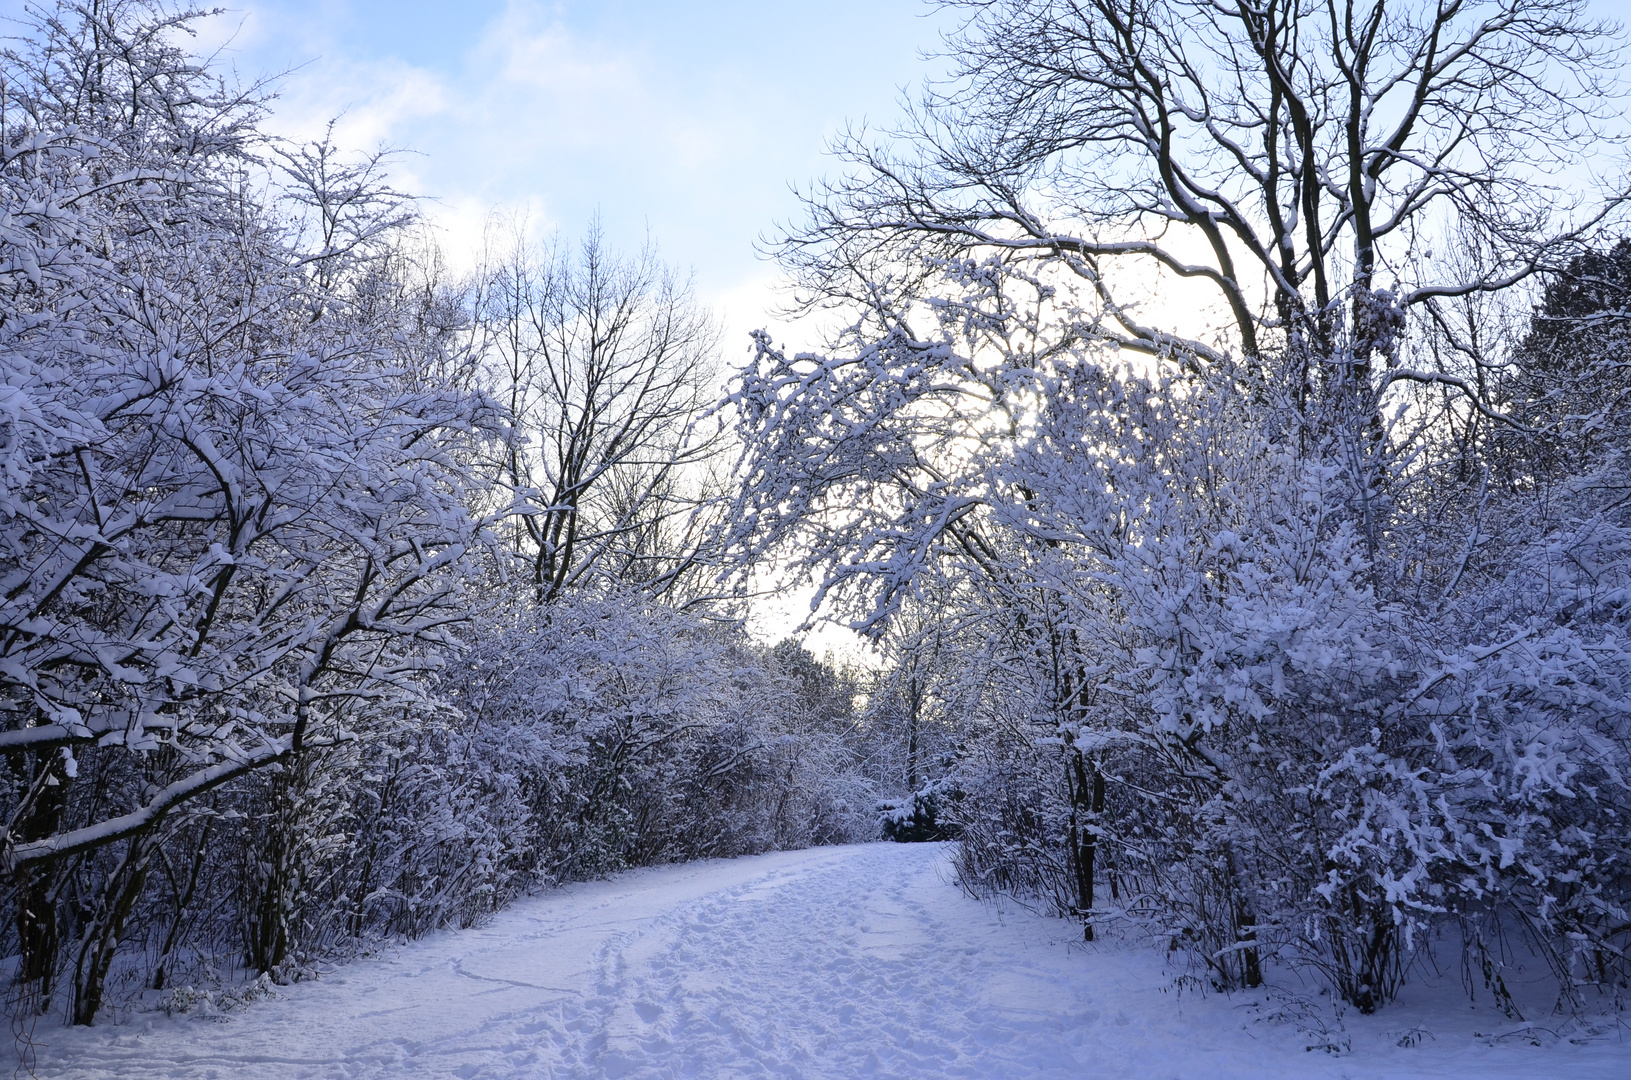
[(38, 930), (278, 882), (1086, 786), (914, 708), (101, 939), (184, 897), (1251, 965)]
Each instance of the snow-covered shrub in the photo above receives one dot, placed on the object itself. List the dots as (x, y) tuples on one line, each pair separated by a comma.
[(268, 690), (637, 734), (1296, 763), (926, 814), (1203, 683), (233, 500)]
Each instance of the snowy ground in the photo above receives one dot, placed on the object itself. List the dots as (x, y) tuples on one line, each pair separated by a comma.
[(832, 963)]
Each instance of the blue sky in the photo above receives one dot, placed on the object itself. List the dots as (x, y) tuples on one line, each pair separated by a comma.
[(689, 121), (684, 121)]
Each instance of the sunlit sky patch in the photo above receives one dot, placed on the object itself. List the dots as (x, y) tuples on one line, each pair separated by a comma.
[(685, 122)]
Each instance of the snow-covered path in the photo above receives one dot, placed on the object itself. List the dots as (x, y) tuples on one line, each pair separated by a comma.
[(832, 963)]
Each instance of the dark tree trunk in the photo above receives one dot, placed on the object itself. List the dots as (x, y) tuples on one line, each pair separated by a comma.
[(914, 703), (101, 938), (1251, 965), (39, 933), (184, 897), (1086, 785)]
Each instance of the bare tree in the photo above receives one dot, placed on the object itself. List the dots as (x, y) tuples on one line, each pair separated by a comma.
[(1298, 158), (606, 365)]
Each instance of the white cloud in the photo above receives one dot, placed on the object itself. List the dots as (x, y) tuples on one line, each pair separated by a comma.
[(541, 53)]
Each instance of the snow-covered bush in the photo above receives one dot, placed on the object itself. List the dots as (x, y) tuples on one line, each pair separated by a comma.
[(638, 734), (233, 502), (268, 688), (1203, 685)]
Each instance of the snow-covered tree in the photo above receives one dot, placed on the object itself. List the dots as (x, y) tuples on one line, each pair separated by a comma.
[(1247, 660), (306, 637), (235, 511)]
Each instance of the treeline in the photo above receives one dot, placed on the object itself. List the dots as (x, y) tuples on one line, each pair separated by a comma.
[(1230, 453), (341, 599)]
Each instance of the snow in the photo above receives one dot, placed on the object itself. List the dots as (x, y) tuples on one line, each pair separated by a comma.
[(840, 962)]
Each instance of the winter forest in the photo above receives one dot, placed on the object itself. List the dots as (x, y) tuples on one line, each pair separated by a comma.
[(1211, 421)]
